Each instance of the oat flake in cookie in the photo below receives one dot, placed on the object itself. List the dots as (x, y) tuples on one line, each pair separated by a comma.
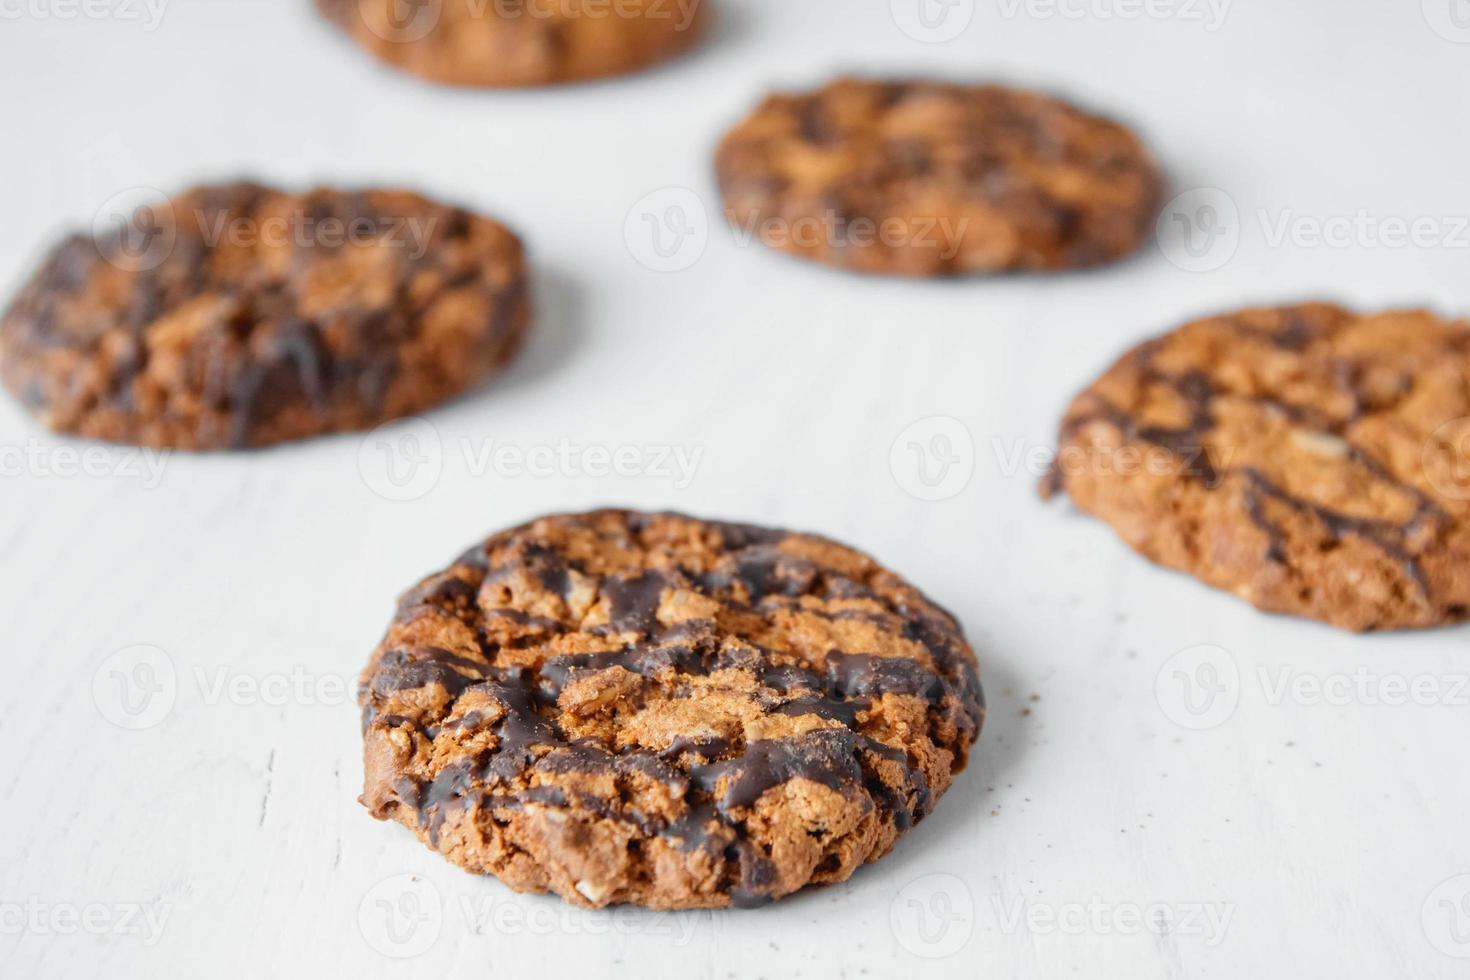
[(239, 316), (508, 43), (924, 178), (1309, 459), (652, 709)]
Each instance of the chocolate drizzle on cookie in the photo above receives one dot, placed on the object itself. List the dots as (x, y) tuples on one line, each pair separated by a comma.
[(527, 753), (1355, 391), (242, 330), (1041, 183)]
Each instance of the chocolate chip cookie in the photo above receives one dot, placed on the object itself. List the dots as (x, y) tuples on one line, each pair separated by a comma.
[(239, 316), (923, 178), (507, 43), (652, 709), (1309, 459)]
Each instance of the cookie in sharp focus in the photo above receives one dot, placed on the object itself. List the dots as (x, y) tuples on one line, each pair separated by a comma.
[(1309, 459), (652, 709), (513, 43), (239, 316), (927, 178)]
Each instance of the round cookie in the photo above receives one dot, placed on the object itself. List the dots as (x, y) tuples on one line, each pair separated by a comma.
[(1308, 459), (923, 178), (652, 709), (240, 316), (513, 43)]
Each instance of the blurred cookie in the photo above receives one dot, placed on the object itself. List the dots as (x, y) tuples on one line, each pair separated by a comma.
[(239, 316), (509, 43), (653, 709), (923, 178), (1308, 459)]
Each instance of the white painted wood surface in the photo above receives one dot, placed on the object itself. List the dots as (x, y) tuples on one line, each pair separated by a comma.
[(1299, 836)]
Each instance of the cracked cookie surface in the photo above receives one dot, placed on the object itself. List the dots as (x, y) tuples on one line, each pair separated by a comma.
[(1310, 460), (652, 709), (925, 178), (513, 43), (239, 316)]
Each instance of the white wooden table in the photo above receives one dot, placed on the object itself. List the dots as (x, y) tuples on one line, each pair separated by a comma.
[(1169, 784)]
